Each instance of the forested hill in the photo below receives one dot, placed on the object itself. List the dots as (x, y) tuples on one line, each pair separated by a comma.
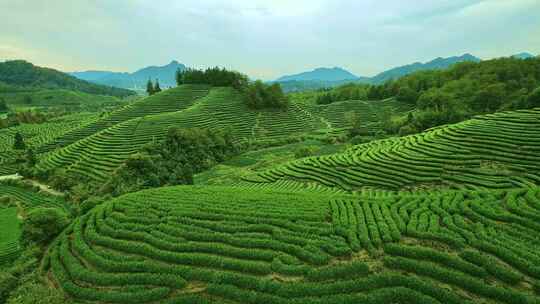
[(20, 73)]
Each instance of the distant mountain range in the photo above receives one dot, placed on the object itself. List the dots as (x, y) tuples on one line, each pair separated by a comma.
[(20, 74), (435, 64), (322, 77), (137, 80)]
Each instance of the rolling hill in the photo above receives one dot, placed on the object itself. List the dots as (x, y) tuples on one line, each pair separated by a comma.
[(97, 149), (19, 74), (496, 151), (136, 80), (234, 245)]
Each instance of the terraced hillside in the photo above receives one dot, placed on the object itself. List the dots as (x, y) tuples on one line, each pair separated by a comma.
[(371, 113), (29, 198), (26, 199), (36, 135), (9, 238), (494, 151), (233, 245), (98, 155), (167, 101)]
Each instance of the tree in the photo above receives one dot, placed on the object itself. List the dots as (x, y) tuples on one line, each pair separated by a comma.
[(157, 89), (30, 158), (41, 224), (27, 99), (406, 94), (357, 127), (150, 87), (305, 151), (19, 142), (259, 95), (3, 105), (179, 77), (533, 100), (490, 98), (435, 99)]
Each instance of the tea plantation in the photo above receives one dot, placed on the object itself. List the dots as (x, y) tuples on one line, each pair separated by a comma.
[(232, 245), (9, 238), (496, 151), (105, 144)]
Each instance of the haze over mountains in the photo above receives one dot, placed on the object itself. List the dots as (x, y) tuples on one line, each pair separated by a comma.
[(338, 74), (316, 78), (324, 74), (136, 80)]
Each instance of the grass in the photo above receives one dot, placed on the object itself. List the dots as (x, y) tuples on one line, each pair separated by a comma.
[(208, 244)]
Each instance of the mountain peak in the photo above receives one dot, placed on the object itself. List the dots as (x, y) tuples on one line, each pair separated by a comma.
[(321, 74), (523, 55)]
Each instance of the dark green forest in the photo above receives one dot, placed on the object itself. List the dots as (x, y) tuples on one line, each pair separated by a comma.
[(452, 95), (17, 75)]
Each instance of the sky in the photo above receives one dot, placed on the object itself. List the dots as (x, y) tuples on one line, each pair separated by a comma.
[(264, 39)]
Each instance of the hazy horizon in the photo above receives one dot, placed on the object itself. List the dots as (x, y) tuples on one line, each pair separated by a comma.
[(264, 39)]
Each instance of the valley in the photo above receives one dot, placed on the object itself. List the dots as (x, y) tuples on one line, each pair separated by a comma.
[(263, 169)]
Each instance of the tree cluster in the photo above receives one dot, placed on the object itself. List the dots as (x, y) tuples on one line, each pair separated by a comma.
[(259, 95), (18, 142), (212, 76), (3, 105), (173, 161), (464, 90), (152, 88), (27, 117), (349, 91)]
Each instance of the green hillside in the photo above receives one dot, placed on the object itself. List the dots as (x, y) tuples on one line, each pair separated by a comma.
[(492, 151), (168, 101), (36, 135), (9, 238), (19, 74), (46, 99), (234, 245), (97, 149)]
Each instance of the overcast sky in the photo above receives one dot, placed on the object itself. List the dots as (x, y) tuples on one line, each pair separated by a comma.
[(264, 39)]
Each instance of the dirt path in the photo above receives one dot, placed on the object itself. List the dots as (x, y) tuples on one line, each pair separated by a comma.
[(44, 187), (41, 186), (10, 177)]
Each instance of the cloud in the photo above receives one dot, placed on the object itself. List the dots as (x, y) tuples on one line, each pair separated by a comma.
[(261, 37)]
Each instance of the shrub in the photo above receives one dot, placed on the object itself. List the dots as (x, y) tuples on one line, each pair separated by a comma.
[(36, 293), (408, 130), (305, 151), (7, 283), (41, 225)]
